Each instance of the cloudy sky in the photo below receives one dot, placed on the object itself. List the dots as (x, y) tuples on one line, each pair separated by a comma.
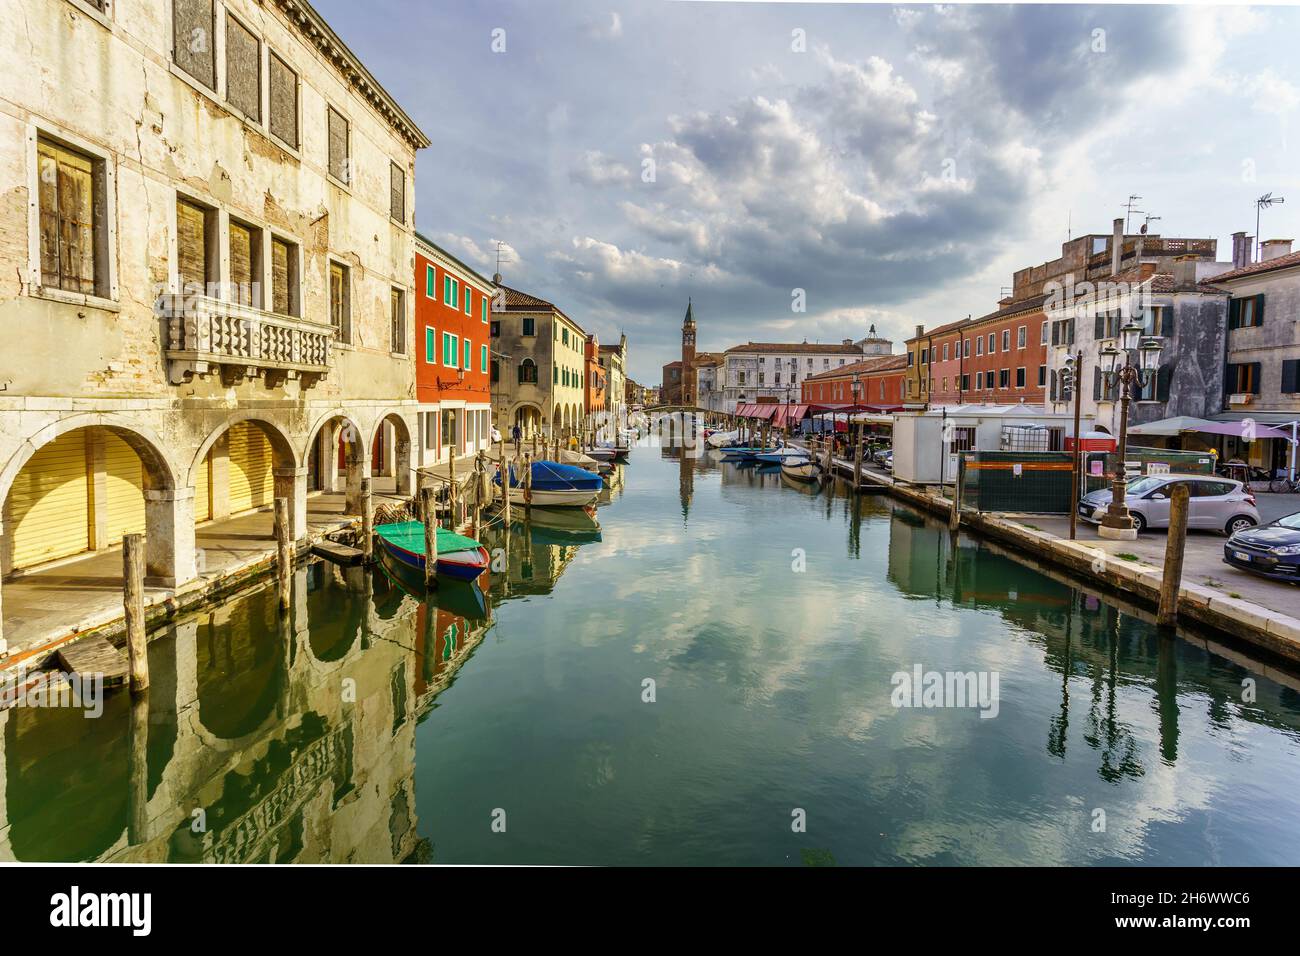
[(896, 163)]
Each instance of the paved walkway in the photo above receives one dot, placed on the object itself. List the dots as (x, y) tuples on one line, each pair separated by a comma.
[(86, 593)]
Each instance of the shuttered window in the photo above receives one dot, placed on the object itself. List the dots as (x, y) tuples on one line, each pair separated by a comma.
[(397, 192), (244, 263), (467, 354), (340, 302), (192, 248), (68, 200), (284, 101), (243, 69), (397, 306), (338, 145), (193, 49), (284, 277), (1290, 376)]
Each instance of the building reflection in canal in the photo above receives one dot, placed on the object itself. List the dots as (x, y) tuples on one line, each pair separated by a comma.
[(270, 738), (264, 738)]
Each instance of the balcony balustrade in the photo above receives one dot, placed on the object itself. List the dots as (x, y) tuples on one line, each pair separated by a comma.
[(207, 335)]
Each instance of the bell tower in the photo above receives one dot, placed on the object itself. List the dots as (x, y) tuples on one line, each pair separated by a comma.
[(688, 356)]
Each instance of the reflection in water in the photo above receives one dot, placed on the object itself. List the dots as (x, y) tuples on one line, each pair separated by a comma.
[(355, 729)]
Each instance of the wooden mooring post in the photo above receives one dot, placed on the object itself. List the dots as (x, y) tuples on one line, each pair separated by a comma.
[(505, 488), (283, 555), (428, 509), (367, 523), (453, 499), (137, 646), (857, 465), (1171, 581), (528, 485)]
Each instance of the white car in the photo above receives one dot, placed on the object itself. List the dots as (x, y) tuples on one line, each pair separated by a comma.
[(1216, 504)]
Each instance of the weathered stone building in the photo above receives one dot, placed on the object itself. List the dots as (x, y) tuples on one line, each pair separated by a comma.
[(207, 208), (538, 364)]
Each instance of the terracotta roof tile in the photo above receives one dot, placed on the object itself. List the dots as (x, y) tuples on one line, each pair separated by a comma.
[(815, 348), (1255, 268), (877, 363)]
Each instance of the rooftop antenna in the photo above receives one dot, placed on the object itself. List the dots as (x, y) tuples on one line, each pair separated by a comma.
[(1263, 202), (501, 257), (1132, 201), (1148, 221), (1069, 225)]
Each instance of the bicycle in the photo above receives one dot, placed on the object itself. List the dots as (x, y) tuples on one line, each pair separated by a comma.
[(1281, 484)]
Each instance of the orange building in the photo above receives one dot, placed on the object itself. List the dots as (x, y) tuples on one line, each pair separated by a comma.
[(596, 381), (879, 380), (452, 334)]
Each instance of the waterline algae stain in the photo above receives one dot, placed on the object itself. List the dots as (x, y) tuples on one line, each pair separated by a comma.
[(663, 684)]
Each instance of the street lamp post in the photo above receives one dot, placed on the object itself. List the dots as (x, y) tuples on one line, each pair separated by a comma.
[(1140, 365)]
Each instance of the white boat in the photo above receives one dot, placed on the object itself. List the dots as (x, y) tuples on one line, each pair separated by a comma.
[(800, 468), (722, 439), (607, 451), (578, 498)]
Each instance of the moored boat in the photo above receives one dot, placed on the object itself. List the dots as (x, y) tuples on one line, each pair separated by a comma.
[(555, 485), (800, 468), (459, 557)]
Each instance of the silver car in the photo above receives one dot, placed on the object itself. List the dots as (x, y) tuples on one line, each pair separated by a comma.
[(1216, 504)]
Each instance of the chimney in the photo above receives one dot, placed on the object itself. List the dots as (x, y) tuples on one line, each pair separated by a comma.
[(1272, 248), (846, 341), (1240, 250), (1185, 272), (1116, 245)]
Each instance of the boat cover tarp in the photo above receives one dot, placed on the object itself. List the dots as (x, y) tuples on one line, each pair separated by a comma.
[(553, 476), (410, 536)]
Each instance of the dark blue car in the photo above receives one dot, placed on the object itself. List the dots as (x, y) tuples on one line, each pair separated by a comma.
[(1272, 550)]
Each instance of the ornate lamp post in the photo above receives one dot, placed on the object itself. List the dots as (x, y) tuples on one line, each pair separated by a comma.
[(1140, 365)]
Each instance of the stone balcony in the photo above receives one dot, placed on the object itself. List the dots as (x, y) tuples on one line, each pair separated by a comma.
[(207, 335)]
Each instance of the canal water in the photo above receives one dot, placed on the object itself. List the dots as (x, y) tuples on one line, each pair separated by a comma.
[(709, 676)]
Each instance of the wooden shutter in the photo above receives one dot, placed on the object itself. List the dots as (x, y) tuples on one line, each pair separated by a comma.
[(1099, 327), (243, 69), (242, 272), (191, 248), (1255, 368), (397, 192), (193, 46), (338, 145), (1096, 384), (1259, 309), (281, 299), (67, 201), (284, 101), (1290, 376), (1167, 320), (1234, 313), (1163, 377)]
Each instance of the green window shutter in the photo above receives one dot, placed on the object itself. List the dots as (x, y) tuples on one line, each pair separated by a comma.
[(555, 375), (1290, 376), (468, 351), (1234, 313), (469, 301), (1259, 309), (483, 308), (1162, 383), (428, 345), (482, 358), (431, 282)]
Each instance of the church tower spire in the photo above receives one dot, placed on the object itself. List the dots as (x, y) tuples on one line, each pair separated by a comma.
[(688, 356)]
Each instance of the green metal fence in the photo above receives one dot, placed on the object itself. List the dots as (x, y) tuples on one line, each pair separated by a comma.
[(1026, 481), (1147, 461)]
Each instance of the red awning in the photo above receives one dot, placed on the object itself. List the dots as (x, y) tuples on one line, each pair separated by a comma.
[(789, 415)]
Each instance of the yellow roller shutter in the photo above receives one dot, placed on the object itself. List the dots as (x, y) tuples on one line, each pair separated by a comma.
[(123, 491), (203, 490), (251, 481), (48, 510)]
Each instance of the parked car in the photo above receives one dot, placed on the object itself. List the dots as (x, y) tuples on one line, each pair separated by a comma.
[(1272, 550), (1216, 504)]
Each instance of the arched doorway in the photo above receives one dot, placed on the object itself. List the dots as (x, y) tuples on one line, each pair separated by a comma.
[(337, 458), (390, 454), (529, 420), (557, 421), (78, 489), (243, 466)]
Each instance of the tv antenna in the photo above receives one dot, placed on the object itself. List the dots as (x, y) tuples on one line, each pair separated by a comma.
[(502, 257), (1132, 202), (1263, 202)]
